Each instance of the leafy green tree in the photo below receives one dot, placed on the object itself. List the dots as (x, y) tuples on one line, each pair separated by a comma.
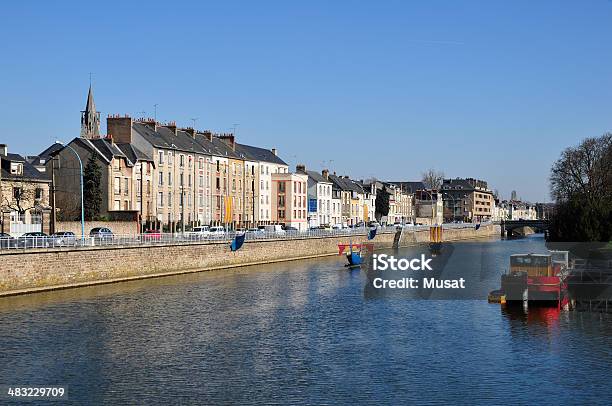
[(92, 192)]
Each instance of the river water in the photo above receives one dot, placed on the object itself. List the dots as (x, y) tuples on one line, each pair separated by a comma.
[(307, 331)]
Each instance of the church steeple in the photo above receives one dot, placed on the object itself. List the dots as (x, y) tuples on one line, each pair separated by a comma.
[(90, 118)]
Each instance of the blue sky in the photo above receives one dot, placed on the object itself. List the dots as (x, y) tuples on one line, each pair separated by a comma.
[(490, 89)]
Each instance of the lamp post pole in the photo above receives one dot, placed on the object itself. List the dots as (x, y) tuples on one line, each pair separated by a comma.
[(81, 179)]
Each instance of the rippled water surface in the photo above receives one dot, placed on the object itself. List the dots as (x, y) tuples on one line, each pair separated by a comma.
[(304, 332)]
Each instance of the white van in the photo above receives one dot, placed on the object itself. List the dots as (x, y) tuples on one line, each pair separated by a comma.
[(275, 228)]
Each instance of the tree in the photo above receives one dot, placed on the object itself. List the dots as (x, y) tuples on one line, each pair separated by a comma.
[(432, 179), (382, 203), (581, 184), (92, 193), (585, 171), (22, 198)]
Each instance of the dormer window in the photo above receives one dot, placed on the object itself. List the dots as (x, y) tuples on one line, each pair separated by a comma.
[(16, 168)]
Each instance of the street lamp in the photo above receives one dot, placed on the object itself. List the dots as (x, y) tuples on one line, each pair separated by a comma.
[(81, 176)]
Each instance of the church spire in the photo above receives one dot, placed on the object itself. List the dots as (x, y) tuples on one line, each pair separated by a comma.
[(90, 118)]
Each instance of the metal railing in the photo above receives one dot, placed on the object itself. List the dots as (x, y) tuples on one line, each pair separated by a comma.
[(147, 239)]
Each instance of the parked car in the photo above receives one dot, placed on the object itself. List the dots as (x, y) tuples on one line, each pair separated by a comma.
[(217, 231), (337, 226), (291, 229), (35, 239), (151, 235), (254, 231), (7, 240), (63, 239), (101, 234), (199, 232)]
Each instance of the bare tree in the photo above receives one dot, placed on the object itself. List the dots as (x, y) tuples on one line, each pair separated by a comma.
[(585, 170), (22, 199), (432, 179)]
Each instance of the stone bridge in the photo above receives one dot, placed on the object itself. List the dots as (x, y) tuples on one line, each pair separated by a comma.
[(508, 227)]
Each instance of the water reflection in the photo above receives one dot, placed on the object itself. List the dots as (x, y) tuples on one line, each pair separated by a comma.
[(301, 332)]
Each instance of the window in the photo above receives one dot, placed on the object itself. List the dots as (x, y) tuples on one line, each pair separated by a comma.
[(16, 168), (170, 157), (161, 178), (117, 185), (233, 184), (262, 169), (170, 199), (126, 183), (201, 198), (169, 178), (190, 161), (217, 166), (117, 205), (161, 157), (116, 165), (181, 176), (200, 163), (218, 183), (189, 180), (201, 181), (17, 192), (281, 187), (38, 193), (281, 201), (181, 160)]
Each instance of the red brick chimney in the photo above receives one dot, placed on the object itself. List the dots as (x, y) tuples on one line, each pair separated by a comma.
[(325, 174), (300, 168), (119, 128)]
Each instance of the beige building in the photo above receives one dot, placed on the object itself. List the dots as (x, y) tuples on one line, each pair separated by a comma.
[(24, 195), (125, 182), (468, 200)]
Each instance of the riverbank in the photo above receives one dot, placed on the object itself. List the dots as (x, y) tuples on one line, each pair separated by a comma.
[(39, 270)]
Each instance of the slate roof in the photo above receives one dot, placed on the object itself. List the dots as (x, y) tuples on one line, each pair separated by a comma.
[(133, 153), (259, 154), (42, 158), (346, 184), (165, 138), (409, 187), (30, 173)]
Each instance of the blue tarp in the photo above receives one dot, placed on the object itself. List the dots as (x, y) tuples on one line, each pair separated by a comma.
[(237, 242)]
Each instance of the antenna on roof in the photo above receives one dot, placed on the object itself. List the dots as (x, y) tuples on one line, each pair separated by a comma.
[(155, 112), (194, 121), (234, 129)]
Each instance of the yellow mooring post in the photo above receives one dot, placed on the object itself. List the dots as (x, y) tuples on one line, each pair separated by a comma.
[(435, 234)]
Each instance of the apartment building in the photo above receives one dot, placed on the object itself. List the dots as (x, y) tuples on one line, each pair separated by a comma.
[(125, 182), (290, 196), (319, 197), (467, 199)]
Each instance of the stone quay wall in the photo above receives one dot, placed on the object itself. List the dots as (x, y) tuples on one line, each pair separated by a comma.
[(41, 269)]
